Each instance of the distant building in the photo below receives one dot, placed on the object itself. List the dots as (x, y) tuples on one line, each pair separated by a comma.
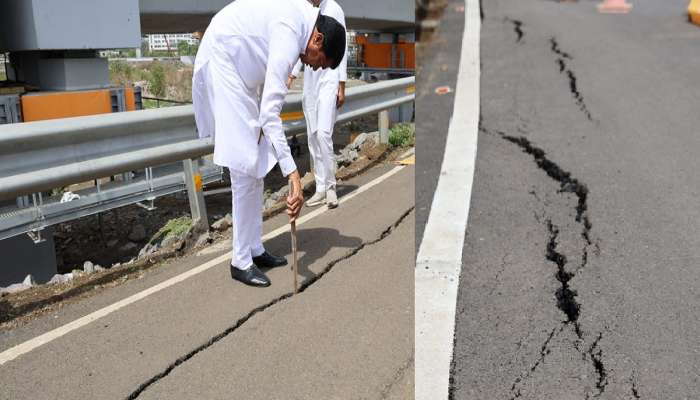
[(169, 41), (353, 55)]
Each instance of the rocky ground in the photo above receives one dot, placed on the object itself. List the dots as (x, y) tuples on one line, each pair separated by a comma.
[(119, 235)]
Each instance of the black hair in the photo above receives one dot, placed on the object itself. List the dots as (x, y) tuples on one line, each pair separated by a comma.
[(333, 39)]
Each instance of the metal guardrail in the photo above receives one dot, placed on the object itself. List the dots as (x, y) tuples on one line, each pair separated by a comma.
[(371, 70), (43, 155), (359, 101), (40, 156)]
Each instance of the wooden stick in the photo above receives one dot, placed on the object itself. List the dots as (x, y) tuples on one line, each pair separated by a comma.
[(295, 270)]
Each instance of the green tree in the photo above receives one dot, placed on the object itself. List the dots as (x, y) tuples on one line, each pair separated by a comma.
[(183, 48), (120, 73), (157, 79)]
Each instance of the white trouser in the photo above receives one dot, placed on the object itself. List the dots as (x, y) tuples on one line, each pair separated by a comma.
[(247, 198), (321, 149)]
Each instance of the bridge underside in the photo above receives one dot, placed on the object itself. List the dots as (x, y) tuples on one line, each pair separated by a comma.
[(174, 16), (175, 23)]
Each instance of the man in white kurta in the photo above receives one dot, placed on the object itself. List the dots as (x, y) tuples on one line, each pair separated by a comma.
[(324, 93), (249, 45)]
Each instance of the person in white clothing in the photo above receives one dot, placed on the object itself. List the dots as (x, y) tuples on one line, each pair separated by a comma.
[(324, 93), (252, 45)]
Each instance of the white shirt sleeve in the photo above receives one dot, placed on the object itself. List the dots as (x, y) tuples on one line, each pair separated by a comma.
[(297, 69), (282, 55), (338, 14)]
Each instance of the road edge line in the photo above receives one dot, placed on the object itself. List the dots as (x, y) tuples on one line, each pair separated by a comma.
[(439, 260)]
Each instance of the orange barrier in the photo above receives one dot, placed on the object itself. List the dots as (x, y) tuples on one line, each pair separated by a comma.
[(50, 105), (130, 99), (41, 106), (379, 55), (694, 11)]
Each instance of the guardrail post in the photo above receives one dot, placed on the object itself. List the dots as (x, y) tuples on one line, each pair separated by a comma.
[(193, 181), (384, 126)]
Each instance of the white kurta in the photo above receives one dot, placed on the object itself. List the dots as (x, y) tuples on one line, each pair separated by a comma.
[(249, 44), (320, 111), (321, 86)]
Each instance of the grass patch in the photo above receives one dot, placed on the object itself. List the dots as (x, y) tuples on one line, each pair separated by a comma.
[(174, 228), (402, 134)]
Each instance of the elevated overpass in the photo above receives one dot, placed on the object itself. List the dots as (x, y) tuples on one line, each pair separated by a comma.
[(166, 16)]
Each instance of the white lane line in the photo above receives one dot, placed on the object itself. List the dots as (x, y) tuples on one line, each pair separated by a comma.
[(47, 337), (440, 255)]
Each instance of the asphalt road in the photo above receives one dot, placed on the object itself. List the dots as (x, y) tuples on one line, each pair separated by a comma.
[(581, 265), (347, 335), (438, 62)]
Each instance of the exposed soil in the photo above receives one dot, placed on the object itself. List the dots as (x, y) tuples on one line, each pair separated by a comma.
[(104, 238)]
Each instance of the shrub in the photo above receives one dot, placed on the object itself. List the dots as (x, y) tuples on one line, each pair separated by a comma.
[(157, 80), (402, 134)]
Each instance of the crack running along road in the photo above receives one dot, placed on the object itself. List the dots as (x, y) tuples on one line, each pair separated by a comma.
[(566, 297), (183, 359)]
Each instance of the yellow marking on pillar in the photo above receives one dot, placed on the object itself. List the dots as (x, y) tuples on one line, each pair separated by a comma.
[(292, 115), (198, 182)]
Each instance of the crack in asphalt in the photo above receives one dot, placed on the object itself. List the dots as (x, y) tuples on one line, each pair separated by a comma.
[(557, 50), (567, 184), (596, 357), (181, 360), (577, 95), (566, 297), (635, 392), (517, 27), (573, 86), (544, 351), (498, 274)]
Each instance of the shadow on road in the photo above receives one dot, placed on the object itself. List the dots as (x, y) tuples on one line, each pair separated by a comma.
[(342, 190), (314, 244)]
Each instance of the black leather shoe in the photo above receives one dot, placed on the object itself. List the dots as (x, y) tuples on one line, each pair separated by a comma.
[(267, 260), (251, 276)]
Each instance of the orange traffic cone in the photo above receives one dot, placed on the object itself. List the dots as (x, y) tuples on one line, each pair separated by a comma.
[(694, 11), (614, 6)]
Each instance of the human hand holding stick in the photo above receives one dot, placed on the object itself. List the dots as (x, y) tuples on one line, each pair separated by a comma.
[(294, 189), (295, 197)]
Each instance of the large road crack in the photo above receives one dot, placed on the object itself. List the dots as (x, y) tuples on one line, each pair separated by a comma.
[(564, 68), (237, 324), (565, 295)]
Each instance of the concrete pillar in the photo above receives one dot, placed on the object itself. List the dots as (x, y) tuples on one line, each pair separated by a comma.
[(384, 126), (198, 208)]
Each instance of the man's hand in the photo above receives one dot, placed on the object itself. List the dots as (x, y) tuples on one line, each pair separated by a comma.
[(290, 80), (295, 198), (340, 99)]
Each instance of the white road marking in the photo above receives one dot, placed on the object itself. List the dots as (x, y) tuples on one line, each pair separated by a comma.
[(439, 259), (47, 337)]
